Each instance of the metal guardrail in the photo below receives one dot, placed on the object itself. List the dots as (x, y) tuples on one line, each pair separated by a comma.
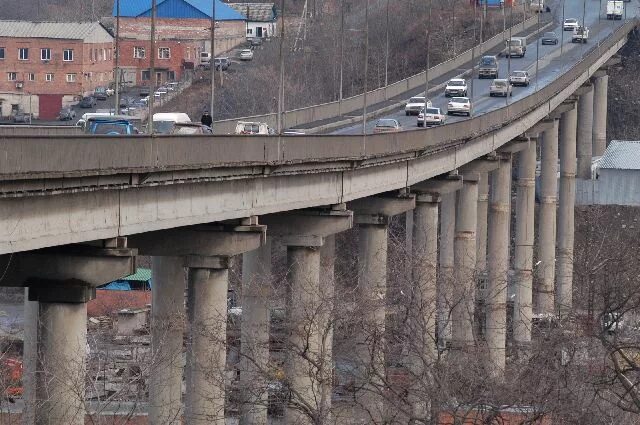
[(29, 157)]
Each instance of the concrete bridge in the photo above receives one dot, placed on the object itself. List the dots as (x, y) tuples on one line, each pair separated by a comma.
[(76, 211)]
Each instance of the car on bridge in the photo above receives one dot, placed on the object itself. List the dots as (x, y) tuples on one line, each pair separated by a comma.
[(387, 125), (459, 105), (488, 67), (22, 117), (110, 127), (519, 78), (415, 105), (430, 116), (190, 128), (549, 38), (66, 114), (500, 87), (246, 54), (570, 24), (253, 128), (456, 87), (580, 35)]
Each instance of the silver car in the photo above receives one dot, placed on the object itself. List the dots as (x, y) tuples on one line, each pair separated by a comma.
[(519, 78), (500, 87), (459, 105)]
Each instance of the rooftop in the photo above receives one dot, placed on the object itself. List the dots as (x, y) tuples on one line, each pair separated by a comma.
[(258, 12), (87, 31), (177, 9), (621, 155)]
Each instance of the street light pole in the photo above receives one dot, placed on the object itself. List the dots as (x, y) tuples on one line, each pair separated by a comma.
[(366, 68), (453, 27), (117, 59), (473, 46), (538, 44), (509, 51), (426, 69), (562, 30), (152, 67), (281, 85), (386, 56), (341, 55), (212, 56)]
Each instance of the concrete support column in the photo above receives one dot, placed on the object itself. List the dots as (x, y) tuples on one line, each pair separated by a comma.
[(208, 284), (523, 262), (464, 287), (62, 351), (254, 334), (167, 333), (481, 233), (565, 235), (302, 303), (445, 272), (600, 85), (547, 221), (29, 359), (326, 320), (585, 134), (498, 267)]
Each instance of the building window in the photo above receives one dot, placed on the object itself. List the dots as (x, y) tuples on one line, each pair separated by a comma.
[(171, 75), (68, 55), (45, 54), (48, 77), (188, 52), (71, 78), (164, 53), (31, 76), (139, 52), (146, 75), (23, 54), (1, 52), (249, 31), (12, 76)]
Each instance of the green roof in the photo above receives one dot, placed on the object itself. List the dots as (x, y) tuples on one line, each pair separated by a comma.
[(141, 275)]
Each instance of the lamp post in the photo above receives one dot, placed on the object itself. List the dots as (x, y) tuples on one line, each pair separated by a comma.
[(538, 44), (117, 57), (386, 56), (509, 51), (152, 67), (366, 68), (473, 46), (212, 56), (341, 55), (426, 70), (281, 85)]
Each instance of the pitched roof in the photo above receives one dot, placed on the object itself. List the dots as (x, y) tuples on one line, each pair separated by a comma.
[(141, 275), (621, 155), (177, 9), (258, 12), (88, 31)]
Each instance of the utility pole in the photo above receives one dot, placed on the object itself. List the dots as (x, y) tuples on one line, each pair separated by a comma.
[(473, 46), (117, 58), (280, 123), (509, 88), (341, 56), (366, 68), (453, 27), (426, 69), (152, 67), (212, 58), (562, 30), (386, 56), (538, 43)]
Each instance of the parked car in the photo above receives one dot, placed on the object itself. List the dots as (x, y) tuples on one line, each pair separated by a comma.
[(459, 105), (144, 92), (519, 78), (87, 102), (222, 62), (100, 93), (190, 128), (66, 114), (570, 24), (255, 42), (22, 117), (415, 104), (488, 67), (387, 125), (246, 54), (430, 116), (500, 87), (456, 87), (253, 128), (125, 101), (549, 38), (110, 127), (110, 91)]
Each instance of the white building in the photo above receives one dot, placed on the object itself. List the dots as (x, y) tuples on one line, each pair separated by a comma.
[(261, 18)]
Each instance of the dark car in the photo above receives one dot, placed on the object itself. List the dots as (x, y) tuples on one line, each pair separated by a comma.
[(100, 93), (144, 91), (87, 102), (66, 114), (125, 102), (22, 117), (549, 38), (110, 127), (222, 63), (256, 42)]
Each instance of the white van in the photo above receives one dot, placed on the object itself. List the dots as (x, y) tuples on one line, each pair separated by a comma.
[(248, 127), (85, 117), (163, 121)]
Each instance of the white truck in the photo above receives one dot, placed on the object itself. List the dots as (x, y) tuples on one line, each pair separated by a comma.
[(615, 9), (580, 35), (537, 6), (515, 46)]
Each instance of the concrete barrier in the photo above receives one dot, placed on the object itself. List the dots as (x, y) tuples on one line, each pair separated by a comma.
[(39, 130)]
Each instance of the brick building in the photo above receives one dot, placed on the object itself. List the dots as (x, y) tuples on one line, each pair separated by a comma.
[(183, 31), (45, 65)]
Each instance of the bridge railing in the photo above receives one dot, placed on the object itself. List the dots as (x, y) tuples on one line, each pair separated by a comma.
[(301, 116), (31, 157)]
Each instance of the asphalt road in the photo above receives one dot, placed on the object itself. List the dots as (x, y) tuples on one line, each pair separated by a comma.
[(553, 60)]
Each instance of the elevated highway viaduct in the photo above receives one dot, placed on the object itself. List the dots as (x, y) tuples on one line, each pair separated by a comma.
[(76, 211)]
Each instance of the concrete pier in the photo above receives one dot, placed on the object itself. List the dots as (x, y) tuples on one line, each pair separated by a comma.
[(544, 302), (29, 358), (445, 273), (585, 133), (481, 232), (600, 88), (254, 334), (465, 264), (523, 261), (498, 267), (565, 234)]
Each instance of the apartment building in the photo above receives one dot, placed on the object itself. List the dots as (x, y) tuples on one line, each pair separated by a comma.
[(45, 65)]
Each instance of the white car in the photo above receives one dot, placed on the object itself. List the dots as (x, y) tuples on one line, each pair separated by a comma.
[(430, 116), (246, 54), (459, 105), (500, 87), (415, 105), (110, 91), (570, 24), (456, 87), (519, 78)]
